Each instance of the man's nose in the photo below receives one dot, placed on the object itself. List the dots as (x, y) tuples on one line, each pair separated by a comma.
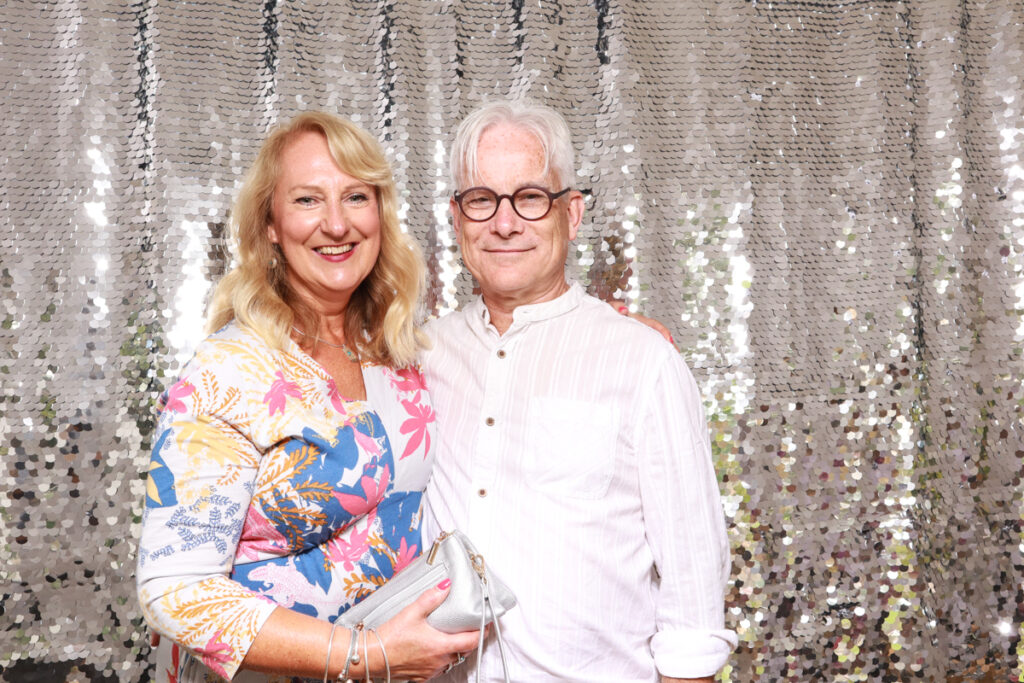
[(506, 221)]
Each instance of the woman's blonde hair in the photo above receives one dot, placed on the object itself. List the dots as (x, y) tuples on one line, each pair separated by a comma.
[(380, 318)]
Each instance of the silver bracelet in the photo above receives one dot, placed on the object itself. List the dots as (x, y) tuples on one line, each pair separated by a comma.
[(352, 657), (366, 657), (384, 654), (330, 642)]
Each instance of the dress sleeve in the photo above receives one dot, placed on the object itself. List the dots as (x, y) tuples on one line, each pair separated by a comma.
[(201, 477), (685, 526)]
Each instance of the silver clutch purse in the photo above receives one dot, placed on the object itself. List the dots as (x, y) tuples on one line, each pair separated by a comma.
[(476, 598)]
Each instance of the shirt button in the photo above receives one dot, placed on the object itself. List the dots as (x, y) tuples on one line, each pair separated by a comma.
[(501, 353), (482, 492), (489, 422)]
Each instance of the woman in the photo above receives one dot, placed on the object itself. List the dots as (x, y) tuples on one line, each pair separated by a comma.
[(290, 457)]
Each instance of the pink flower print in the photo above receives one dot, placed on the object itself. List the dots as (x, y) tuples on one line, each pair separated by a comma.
[(216, 653), (411, 380), (367, 443), (180, 390), (287, 586), (350, 551), (405, 555), (373, 493), (259, 535), (279, 390), (419, 417)]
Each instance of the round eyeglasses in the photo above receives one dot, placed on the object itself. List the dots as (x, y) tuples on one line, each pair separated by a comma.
[(530, 203)]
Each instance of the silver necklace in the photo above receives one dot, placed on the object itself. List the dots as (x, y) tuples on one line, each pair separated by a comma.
[(348, 352)]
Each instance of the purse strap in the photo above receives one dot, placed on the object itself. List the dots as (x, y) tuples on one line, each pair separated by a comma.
[(485, 607)]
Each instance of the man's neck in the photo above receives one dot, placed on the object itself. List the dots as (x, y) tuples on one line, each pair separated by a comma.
[(502, 308)]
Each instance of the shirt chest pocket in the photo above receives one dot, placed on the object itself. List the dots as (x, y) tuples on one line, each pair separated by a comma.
[(570, 446)]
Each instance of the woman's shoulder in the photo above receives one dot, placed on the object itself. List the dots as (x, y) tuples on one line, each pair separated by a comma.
[(232, 335), (234, 365), (237, 356), (232, 345)]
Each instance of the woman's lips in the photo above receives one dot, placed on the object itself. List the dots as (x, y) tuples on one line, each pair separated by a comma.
[(338, 252)]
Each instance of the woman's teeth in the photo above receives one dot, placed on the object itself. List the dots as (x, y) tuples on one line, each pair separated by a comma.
[(334, 251)]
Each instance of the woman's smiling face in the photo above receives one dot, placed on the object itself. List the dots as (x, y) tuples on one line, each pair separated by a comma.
[(326, 223)]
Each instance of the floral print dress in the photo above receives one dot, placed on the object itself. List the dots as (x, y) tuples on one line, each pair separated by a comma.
[(266, 487)]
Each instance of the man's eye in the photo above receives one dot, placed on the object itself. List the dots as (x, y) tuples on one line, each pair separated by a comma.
[(531, 197), (479, 201)]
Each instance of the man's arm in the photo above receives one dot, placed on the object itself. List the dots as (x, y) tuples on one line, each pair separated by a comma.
[(684, 526)]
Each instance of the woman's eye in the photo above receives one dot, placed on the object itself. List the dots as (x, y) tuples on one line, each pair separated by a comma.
[(358, 198), (305, 201)]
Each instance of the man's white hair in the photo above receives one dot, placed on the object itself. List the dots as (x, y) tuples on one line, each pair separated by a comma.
[(546, 124)]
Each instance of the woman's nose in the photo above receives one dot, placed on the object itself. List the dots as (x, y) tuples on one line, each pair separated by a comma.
[(335, 221)]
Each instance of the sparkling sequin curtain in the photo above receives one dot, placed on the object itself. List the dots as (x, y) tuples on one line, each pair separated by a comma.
[(825, 202)]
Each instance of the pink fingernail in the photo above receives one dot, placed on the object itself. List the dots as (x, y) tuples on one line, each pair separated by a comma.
[(444, 584), (623, 309)]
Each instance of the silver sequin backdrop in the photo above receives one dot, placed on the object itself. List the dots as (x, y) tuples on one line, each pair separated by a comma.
[(824, 200)]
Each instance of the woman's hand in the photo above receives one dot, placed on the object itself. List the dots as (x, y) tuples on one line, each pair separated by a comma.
[(295, 644), (655, 325), (416, 650)]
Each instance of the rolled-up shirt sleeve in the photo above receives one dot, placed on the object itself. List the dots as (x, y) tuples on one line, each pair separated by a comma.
[(685, 526)]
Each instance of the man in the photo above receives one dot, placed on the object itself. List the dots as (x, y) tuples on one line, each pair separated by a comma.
[(572, 448)]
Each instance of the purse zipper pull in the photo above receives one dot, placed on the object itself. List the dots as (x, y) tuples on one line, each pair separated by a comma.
[(433, 549)]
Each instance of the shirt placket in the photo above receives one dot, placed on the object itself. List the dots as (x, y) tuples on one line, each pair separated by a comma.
[(492, 437)]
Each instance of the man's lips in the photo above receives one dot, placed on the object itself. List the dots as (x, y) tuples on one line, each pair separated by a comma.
[(506, 250)]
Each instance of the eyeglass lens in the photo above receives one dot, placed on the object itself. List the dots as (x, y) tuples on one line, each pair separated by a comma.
[(480, 203)]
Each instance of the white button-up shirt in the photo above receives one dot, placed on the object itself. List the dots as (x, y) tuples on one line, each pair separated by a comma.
[(573, 451)]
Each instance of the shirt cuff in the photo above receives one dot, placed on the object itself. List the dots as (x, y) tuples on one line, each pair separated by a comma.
[(692, 653)]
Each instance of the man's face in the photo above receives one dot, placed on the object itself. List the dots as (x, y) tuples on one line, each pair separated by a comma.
[(516, 261)]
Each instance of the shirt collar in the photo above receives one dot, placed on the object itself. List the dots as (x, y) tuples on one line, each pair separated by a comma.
[(561, 304)]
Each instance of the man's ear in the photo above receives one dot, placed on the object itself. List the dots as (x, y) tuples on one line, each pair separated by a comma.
[(575, 212), (453, 206)]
